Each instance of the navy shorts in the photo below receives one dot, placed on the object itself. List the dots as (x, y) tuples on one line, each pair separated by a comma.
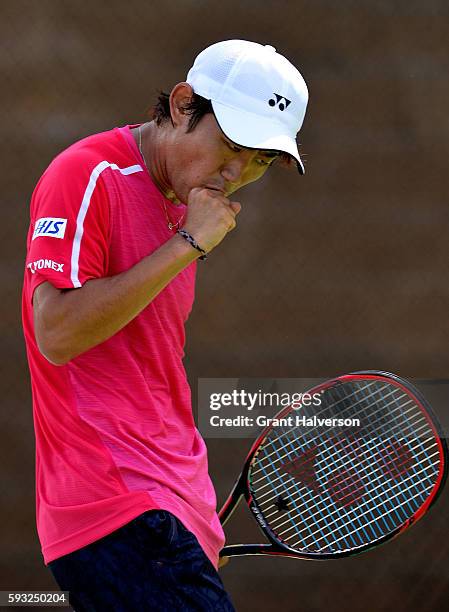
[(151, 564)]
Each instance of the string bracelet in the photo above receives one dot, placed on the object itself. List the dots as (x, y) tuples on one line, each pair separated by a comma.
[(191, 240)]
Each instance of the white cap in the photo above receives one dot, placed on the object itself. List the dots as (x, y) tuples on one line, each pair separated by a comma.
[(259, 98)]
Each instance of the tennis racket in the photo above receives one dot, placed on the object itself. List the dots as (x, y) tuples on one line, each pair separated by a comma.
[(328, 491)]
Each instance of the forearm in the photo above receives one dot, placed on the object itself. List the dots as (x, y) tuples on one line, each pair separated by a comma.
[(68, 323)]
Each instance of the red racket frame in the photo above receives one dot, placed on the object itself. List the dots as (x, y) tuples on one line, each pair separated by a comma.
[(242, 486)]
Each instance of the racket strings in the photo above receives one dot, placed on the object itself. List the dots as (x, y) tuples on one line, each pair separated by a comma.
[(281, 458), (319, 465), (355, 409), (393, 460), (416, 496), (389, 508), (362, 412), (359, 515), (354, 514), (372, 473), (394, 430)]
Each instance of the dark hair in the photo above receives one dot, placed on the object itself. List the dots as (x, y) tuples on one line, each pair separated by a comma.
[(197, 108)]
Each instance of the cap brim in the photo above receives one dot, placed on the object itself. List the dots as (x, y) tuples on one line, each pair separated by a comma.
[(250, 130)]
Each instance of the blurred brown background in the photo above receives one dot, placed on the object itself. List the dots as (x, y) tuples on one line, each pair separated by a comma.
[(343, 269)]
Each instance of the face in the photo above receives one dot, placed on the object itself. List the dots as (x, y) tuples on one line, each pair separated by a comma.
[(205, 157)]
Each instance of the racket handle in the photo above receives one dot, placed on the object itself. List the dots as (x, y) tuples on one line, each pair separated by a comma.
[(237, 550)]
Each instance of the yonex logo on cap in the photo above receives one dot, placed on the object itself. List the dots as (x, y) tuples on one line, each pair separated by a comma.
[(281, 102)]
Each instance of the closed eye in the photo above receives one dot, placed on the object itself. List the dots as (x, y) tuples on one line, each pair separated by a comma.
[(264, 162), (261, 161)]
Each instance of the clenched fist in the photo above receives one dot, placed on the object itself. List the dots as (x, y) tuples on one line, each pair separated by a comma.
[(210, 216)]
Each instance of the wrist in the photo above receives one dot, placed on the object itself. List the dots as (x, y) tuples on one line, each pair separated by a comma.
[(182, 250), (187, 236)]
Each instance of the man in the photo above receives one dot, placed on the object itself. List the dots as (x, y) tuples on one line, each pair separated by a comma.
[(126, 512)]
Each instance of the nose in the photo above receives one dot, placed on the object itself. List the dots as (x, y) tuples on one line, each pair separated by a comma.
[(234, 169)]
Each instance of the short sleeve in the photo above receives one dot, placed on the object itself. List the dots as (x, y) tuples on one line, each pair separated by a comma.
[(68, 239)]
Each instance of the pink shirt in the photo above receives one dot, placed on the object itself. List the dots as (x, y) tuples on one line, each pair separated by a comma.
[(115, 435)]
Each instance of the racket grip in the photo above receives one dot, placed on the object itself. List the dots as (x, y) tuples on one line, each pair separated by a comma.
[(237, 550)]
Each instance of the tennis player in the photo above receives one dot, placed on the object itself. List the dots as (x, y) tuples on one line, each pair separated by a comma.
[(126, 511)]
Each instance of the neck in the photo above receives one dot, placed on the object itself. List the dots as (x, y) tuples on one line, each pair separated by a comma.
[(153, 146)]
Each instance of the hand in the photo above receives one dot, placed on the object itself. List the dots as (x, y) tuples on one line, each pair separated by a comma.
[(222, 561), (210, 216)]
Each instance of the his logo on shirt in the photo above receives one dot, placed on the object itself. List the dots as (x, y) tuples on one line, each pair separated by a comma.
[(45, 263), (54, 227)]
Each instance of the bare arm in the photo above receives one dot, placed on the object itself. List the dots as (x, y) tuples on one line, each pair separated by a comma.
[(68, 323)]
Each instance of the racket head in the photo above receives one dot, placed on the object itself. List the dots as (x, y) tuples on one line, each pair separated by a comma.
[(325, 494)]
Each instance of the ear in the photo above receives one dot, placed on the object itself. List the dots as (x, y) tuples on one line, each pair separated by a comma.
[(180, 96)]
